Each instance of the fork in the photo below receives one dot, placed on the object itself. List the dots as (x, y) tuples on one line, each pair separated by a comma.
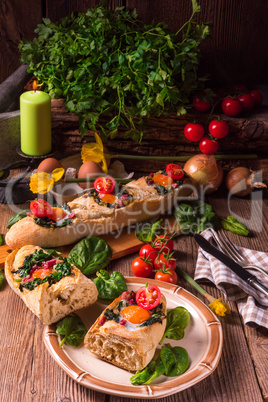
[(228, 248)]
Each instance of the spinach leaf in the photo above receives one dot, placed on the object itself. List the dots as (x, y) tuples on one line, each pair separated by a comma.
[(17, 217), (171, 362), (110, 287), (234, 225), (154, 369), (90, 254), (194, 217), (72, 329), (179, 358), (2, 279), (177, 320), (146, 231)]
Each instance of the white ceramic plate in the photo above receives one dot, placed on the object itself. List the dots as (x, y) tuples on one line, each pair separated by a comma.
[(202, 340)]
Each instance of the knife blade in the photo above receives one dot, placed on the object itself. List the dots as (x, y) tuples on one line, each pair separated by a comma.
[(230, 263)]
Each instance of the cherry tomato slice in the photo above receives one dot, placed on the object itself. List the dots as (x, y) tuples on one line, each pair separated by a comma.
[(174, 171), (40, 208), (148, 297), (104, 185), (162, 180)]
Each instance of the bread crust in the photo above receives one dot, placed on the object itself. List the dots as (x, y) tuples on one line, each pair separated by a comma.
[(92, 219), (130, 350), (51, 303)]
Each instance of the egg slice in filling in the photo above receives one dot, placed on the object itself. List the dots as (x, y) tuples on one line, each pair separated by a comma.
[(134, 316)]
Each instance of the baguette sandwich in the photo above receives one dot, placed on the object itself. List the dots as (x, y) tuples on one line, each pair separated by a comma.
[(50, 287), (95, 214), (126, 336)]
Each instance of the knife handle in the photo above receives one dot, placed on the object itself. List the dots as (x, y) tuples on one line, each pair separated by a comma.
[(258, 286)]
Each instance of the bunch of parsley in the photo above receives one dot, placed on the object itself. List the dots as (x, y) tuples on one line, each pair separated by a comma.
[(107, 62)]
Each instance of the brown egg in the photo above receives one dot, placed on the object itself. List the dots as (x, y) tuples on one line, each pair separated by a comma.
[(89, 170), (48, 165)]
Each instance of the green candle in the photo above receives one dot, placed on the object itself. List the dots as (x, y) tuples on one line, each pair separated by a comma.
[(35, 123)]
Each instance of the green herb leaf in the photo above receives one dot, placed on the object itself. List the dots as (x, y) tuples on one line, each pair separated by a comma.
[(17, 217), (2, 279), (147, 231), (234, 225), (72, 329), (179, 358), (90, 254), (110, 287), (177, 320), (154, 369), (195, 217)]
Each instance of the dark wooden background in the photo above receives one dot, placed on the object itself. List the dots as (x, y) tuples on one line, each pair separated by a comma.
[(236, 51)]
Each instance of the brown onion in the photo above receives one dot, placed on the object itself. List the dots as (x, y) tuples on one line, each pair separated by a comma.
[(241, 181), (205, 171)]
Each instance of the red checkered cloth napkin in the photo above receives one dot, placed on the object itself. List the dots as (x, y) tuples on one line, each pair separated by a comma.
[(252, 305)]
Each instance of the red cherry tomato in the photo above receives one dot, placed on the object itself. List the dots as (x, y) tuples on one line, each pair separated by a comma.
[(165, 261), (218, 129), (208, 146), (200, 104), (148, 252), (231, 107), (40, 208), (141, 268), (104, 185), (246, 101), (148, 297), (164, 243), (168, 275), (194, 131), (256, 96), (174, 171)]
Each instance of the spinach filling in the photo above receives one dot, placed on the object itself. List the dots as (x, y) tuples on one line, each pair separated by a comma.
[(62, 269)]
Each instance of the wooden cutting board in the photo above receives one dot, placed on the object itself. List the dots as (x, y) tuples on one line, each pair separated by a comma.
[(122, 245)]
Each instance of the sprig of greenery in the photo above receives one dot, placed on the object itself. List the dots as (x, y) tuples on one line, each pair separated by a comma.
[(107, 62)]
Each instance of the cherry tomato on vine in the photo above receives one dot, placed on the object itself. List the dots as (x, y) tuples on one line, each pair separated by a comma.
[(163, 241), (104, 185), (256, 96), (218, 129), (194, 131), (208, 146), (200, 104), (174, 171), (165, 261), (148, 252), (148, 297), (166, 275), (40, 208), (231, 107), (141, 267), (246, 101)]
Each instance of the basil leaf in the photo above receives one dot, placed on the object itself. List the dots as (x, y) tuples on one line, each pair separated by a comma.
[(90, 254), (177, 320), (234, 225), (17, 217), (195, 217), (146, 232), (110, 287), (72, 329)]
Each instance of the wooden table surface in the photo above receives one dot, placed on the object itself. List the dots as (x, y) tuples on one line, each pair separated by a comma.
[(28, 372)]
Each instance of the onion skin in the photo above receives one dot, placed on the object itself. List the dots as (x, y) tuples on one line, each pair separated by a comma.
[(241, 182), (205, 172)]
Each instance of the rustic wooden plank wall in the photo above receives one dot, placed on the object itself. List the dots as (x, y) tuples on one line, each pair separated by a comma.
[(236, 51)]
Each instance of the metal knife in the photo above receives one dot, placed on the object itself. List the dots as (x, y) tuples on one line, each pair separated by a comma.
[(230, 263)]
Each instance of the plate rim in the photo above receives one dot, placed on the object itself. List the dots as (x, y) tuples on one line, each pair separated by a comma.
[(200, 371)]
